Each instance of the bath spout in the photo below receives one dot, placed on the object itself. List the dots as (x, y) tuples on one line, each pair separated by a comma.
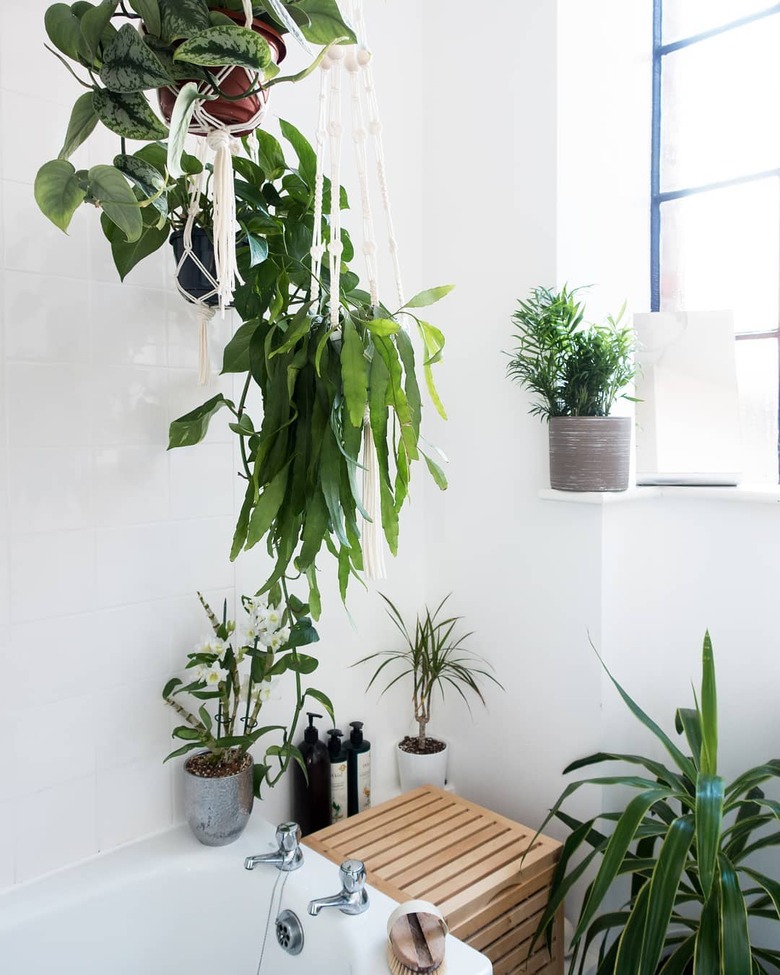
[(353, 896)]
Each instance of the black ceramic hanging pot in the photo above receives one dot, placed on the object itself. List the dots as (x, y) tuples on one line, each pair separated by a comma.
[(189, 276)]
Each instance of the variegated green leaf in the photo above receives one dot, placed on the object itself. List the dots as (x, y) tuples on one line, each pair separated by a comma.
[(129, 115), (709, 821), (83, 120), (109, 188), (221, 46), (58, 192), (146, 177), (149, 10), (709, 711), (130, 65), (735, 938), (183, 109), (182, 18)]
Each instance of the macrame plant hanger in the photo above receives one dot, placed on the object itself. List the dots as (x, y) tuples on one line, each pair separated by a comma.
[(219, 138), (366, 127)]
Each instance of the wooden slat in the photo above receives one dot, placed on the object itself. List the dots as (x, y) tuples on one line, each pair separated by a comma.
[(465, 859)]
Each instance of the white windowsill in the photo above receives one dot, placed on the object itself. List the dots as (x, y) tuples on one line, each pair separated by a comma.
[(753, 493)]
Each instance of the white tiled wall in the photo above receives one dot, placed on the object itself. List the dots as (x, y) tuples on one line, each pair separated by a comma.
[(104, 536)]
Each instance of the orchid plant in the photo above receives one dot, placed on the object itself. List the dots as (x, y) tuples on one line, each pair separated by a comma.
[(234, 671)]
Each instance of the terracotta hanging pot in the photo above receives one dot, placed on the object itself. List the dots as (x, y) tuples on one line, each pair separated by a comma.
[(222, 110)]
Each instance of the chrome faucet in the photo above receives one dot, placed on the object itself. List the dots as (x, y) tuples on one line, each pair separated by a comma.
[(288, 857), (353, 896)]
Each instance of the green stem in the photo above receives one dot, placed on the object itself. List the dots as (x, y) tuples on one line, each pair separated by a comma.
[(198, 725), (239, 414)]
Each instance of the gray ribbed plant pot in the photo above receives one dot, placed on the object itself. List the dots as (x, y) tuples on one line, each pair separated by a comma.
[(589, 453), (218, 809)]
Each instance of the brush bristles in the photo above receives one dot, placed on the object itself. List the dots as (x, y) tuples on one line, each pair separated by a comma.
[(397, 967)]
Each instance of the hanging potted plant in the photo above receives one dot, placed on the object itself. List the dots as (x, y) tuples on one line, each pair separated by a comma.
[(576, 372), (231, 675), (212, 64), (435, 658)]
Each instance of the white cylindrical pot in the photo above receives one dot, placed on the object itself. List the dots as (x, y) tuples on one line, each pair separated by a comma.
[(417, 770), (590, 453)]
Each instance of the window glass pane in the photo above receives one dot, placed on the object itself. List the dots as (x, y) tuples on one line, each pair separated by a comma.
[(721, 250), (721, 103), (757, 377), (684, 18)]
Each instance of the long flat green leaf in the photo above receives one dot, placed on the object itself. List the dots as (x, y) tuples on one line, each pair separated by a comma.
[(615, 853), (429, 297), (266, 508), (629, 949), (687, 720), (664, 886), (753, 777), (706, 956), (709, 711), (735, 938), (680, 959), (772, 887), (709, 823), (354, 373), (660, 771)]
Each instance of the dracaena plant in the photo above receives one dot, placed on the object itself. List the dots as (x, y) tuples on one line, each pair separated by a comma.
[(435, 658), (118, 52), (686, 842), (319, 382), (573, 369), (230, 676)]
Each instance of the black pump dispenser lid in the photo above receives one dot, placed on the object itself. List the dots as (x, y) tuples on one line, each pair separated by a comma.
[(334, 744), (356, 735), (311, 735)]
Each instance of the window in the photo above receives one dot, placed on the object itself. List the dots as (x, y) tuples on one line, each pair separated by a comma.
[(715, 220)]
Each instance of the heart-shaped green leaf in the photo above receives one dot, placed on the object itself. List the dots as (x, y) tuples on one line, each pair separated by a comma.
[(223, 46), (83, 120), (130, 65), (58, 191), (128, 114)]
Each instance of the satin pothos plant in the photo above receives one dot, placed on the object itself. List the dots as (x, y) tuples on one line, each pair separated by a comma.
[(324, 384)]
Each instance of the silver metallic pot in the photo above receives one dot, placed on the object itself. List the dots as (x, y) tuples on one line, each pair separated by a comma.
[(218, 809), (589, 453)]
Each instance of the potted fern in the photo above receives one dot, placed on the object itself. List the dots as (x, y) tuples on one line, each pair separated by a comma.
[(576, 373), (435, 658), (687, 841)]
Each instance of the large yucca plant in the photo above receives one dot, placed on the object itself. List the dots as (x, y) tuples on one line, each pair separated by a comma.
[(685, 840)]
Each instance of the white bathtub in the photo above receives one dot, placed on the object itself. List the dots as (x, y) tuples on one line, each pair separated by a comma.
[(169, 906)]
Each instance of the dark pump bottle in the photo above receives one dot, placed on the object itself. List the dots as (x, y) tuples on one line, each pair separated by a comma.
[(338, 776), (311, 800), (358, 770)]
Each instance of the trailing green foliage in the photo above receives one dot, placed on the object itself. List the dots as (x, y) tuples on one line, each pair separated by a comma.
[(686, 841), (322, 383), (181, 45), (573, 370), (435, 658)]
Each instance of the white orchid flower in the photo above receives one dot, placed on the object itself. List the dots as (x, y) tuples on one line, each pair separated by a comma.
[(214, 676)]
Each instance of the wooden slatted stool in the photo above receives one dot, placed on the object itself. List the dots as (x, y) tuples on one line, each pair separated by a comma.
[(437, 846)]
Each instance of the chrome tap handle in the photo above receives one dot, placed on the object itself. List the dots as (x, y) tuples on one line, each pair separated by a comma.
[(288, 837), (352, 874)]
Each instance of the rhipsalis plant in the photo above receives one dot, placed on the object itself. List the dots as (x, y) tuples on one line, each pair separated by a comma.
[(687, 841), (573, 369), (324, 385), (234, 673)]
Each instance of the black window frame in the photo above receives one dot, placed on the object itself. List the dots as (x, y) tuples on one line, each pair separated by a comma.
[(658, 198)]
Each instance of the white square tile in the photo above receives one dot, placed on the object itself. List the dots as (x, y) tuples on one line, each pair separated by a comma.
[(147, 274), (132, 406), (52, 574), (134, 565), (30, 66), (56, 828), (131, 485), (134, 723), (129, 326), (183, 332), (51, 488), (135, 643), (49, 405), (31, 242), (202, 480), (57, 659), (133, 801), (54, 744), (46, 319), (5, 582), (7, 858), (201, 554)]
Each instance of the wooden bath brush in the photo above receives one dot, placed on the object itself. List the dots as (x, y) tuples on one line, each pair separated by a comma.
[(416, 933)]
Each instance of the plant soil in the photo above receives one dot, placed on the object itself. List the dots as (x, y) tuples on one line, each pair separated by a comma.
[(205, 768), (429, 746)]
